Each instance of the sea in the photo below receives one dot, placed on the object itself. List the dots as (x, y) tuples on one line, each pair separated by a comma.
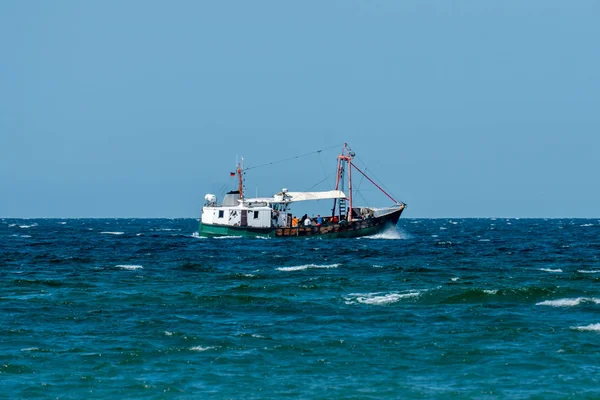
[(430, 308)]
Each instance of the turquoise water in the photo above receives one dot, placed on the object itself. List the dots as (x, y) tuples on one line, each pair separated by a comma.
[(465, 308)]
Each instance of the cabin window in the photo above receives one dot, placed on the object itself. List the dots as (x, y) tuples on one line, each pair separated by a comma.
[(220, 213), (255, 214)]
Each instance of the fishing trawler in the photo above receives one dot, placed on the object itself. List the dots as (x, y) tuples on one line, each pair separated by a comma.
[(238, 215)]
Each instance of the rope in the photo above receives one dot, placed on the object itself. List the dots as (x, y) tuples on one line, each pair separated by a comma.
[(318, 183), (373, 175), (290, 158)]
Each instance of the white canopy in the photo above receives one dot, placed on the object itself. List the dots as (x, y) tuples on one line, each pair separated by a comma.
[(302, 196)]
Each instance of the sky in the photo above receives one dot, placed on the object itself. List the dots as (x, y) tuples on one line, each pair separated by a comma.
[(140, 108)]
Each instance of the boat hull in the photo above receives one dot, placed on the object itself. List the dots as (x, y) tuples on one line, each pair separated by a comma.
[(357, 228)]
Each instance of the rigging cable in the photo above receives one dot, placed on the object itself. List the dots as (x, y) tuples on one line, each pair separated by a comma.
[(372, 174), (290, 158), (318, 183)]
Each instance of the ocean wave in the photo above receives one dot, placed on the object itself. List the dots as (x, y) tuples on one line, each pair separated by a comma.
[(592, 327), (129, 267), (201, 348), (378, 298), (306, 266), (112, 233), (551, 270), (569, 302)]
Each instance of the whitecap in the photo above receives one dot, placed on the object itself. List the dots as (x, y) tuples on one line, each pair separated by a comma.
[(62, 223), (490, 291), (434, 235), (551, 270), (569, 302), (484, 240), (139, 234), (442, 228), (27, 226), (167, 333), (200, 348), (195, 235), (587, 225), (21, 236), (30, 349), (591, 271), (11, 225), (129, 267), (454, 279), (307, 266), (227, 237), (592, 327), (112, 233), (263, 237), (377, 266), (378, 298)]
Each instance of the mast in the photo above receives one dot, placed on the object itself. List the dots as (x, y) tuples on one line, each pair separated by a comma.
[(337, 185), (344, 158), (240, 179)]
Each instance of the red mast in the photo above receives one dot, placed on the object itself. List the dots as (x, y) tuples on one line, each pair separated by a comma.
[(240, 179), (346, 156)]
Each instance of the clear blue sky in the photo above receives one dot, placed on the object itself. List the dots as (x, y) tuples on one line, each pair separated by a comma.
[(139, 108)]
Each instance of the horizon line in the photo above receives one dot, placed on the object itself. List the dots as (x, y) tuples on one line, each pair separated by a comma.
[(403, 218)]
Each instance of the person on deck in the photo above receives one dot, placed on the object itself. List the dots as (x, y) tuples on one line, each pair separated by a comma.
[(307, 222), (319, 220), (295, 222)]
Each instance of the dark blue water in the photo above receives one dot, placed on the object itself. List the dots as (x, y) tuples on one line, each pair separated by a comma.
[(467, 308)]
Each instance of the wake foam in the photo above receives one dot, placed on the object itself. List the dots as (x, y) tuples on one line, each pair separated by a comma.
[(390, 233), (307, 266), (227, 237), (378, 298), (112, 233), (569, 302), (129, 267)]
